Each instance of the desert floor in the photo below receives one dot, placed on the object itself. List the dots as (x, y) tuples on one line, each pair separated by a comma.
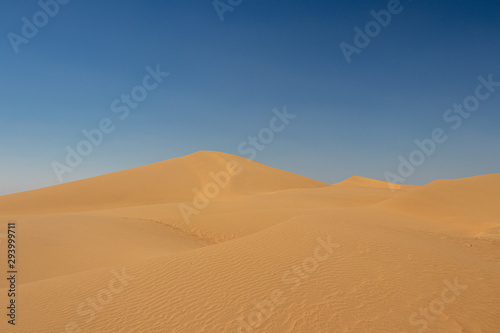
[(260, 250)]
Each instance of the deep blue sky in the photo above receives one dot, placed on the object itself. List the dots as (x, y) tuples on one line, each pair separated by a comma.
[(226, 77)]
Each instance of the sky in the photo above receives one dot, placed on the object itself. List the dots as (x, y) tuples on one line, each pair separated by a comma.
[(219, 72)]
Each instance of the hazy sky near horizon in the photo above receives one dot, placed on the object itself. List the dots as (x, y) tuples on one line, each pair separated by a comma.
[(226, 77)]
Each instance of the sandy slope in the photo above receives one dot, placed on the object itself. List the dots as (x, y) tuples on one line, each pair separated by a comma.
[(273, 252), (471, 203), (163, 182)]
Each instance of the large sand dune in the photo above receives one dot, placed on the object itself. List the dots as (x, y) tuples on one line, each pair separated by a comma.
[(271, 252), (164, 182)]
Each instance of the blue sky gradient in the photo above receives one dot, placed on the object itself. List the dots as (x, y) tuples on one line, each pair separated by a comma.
[(227, 76)]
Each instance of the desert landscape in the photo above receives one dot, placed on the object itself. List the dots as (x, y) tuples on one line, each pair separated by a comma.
[(214, 242), (232, 166)]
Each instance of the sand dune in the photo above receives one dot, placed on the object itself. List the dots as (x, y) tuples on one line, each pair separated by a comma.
[(164, 182), (471, 203), (367, 182), (272, 252)]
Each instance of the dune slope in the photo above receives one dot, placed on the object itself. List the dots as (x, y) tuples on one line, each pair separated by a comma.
[(169, 181)]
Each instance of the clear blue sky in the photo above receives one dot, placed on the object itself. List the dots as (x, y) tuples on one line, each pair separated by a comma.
[(227, 76)]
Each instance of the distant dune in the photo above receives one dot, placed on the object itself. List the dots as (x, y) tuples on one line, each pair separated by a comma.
[(367, 182), (267, 251)]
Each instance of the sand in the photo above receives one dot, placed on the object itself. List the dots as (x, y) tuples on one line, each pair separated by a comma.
[(213, 242)]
